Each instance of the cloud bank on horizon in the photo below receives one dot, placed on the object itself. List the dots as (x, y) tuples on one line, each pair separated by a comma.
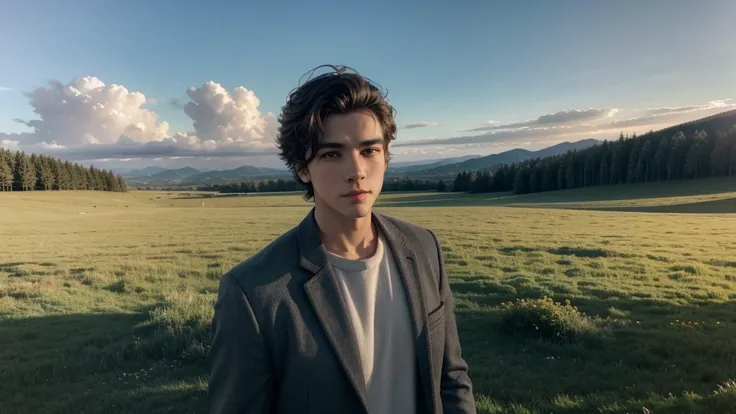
[(87, 119), (577, 124)]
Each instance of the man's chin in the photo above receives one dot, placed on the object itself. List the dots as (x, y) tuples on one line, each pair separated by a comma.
[(358, 210)]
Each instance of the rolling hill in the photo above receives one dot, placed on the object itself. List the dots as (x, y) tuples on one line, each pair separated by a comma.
[(406, 166), (245, 172), (494, 160), (176, 174), (188, 176), (141, 172)]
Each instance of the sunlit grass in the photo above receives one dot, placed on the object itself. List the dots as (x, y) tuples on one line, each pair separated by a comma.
[(109, 310)]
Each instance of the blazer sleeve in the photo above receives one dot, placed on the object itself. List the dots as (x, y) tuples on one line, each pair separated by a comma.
[(240, 376), (456, 388)]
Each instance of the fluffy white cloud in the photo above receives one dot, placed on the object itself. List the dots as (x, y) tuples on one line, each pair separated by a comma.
[(224, 117), (86, 111), (9, 145), (87, 120)]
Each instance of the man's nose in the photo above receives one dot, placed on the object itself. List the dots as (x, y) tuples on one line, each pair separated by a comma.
[(355, 168)]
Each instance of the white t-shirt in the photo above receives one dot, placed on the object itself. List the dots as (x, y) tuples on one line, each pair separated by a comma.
[(379, 310)]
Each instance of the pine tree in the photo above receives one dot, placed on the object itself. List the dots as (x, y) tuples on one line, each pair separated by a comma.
[(676, 158), (6, 174), (562, 173), (549, 176), (696, 158), (732, 158), (25, 175), (660, 159), (65, 179), (535, 179), (571, 175), (631, 171), (457, 185), (644, 164), (615, 163), (510, 177), (6, 170), (46, 174), (521, 182), (589, 169), (482, 182), (719, 157)]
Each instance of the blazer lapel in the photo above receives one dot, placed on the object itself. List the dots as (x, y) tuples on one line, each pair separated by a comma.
[(327, 300), (406, 260)]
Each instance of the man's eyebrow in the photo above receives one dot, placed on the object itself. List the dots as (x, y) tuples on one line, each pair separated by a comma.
[(369, 142), (339, 145)]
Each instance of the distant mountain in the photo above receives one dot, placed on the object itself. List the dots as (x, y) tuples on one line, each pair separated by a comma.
[(246, 172), (143, 172), (177, 174), (507, 157), (188, 176), (409, 165)]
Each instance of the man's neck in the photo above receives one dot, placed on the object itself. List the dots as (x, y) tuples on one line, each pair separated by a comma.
[(352, 239)]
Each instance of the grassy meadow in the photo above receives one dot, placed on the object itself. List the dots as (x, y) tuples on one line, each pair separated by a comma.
[(614, 299)]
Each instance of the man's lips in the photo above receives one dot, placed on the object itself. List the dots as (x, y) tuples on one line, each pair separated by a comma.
[(355, 193)]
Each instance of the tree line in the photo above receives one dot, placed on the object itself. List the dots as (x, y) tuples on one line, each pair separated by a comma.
[(282, 185), (678, 153), (22, 172)]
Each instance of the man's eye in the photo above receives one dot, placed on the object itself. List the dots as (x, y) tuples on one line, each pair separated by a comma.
[(328, 155), (372, 151)]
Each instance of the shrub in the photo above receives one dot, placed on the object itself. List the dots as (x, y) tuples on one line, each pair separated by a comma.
[(548, 320), (723, 398)]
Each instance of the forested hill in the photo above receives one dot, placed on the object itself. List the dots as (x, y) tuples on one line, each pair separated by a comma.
[(699, 149), (22, 172)]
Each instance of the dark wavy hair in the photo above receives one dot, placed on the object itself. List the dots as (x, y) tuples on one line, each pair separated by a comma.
[(339, 91)]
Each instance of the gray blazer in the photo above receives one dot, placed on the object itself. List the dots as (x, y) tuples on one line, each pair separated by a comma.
[(283, 344)]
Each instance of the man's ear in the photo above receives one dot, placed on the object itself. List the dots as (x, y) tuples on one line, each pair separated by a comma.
[(303, 173)]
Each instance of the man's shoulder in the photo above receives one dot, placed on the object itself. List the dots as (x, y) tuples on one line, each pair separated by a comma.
[(274, 260), (416, 235)]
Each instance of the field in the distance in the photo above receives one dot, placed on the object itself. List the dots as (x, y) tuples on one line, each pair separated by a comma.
[(105, 299)]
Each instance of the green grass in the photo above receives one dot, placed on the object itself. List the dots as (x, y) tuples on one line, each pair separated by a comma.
[(108, 311)]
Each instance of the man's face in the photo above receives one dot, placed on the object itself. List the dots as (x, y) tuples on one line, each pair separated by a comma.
[(347, 172)]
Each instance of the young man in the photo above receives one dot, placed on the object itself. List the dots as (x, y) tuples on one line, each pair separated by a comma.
[(350, 311)]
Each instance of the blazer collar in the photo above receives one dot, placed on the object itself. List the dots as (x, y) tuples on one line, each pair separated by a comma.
[(313, 253)]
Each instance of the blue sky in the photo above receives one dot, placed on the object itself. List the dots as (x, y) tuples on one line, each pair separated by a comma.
[(458, 65)]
